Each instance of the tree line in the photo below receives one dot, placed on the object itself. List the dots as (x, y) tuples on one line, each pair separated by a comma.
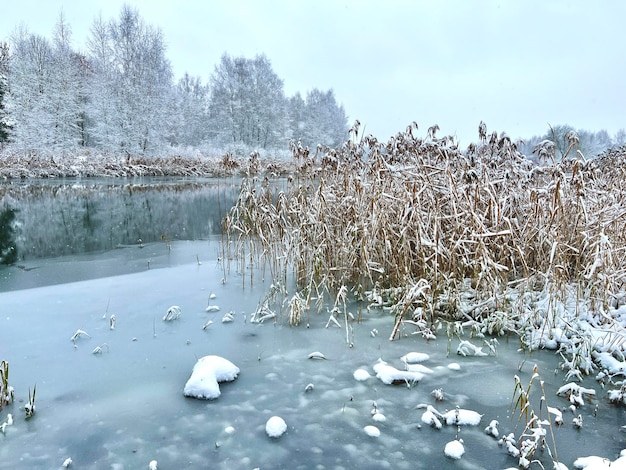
[(120, 97), (563, 140)]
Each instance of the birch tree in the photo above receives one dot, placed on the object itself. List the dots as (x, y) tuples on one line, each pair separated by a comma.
[(66, 90), (46, 101), (28, 100), (247, 103), (4, 70), (190, 126), (130, 91), (318, 120)]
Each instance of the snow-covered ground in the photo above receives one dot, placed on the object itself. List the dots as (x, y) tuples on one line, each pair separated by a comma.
[(114, 398)]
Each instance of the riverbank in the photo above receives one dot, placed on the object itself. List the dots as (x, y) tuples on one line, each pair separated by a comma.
[(87, 165)]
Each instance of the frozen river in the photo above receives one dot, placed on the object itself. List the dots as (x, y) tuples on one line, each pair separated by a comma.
[(124, 407)]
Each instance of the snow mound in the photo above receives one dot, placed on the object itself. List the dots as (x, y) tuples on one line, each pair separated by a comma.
[(206, 375), (461, 417), (372, 431), (466, 348), (418, 368), (607, 361), (389, 374), (593, 462), (431, 417), (414, 357), (379, 417), (361, 375), (275, 426), (454, 449)]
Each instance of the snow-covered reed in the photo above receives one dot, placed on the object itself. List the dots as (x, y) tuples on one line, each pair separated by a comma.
[(7, 394), (482, 236), (179, 162)]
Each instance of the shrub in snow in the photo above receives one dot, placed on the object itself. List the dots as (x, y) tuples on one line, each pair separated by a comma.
[(206, 375)]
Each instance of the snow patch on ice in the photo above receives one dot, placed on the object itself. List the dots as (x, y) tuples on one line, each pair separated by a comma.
[(389, 374), (454, 449), (361, 375), (275, 426), (206, 375), (372, 431)]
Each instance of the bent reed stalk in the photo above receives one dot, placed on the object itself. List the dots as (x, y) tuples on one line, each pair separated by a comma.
[(469, 224)]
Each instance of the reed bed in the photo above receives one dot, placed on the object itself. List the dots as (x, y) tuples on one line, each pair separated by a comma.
[(437, 233), (87, 164)]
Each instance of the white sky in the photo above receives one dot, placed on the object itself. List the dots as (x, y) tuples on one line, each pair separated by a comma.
[(517, 65)]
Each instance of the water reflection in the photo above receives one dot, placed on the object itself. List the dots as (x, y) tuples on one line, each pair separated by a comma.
[(67, 217), (8, 249)]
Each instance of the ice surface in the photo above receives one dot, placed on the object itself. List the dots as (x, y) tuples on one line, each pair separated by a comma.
[(129, 402)]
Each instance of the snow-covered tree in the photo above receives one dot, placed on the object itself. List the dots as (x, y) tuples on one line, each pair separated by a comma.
[(320, 121), (130, 90), (296, 116), (119, 97), (247, 103), (619, 138), (28, 100), (4, 70), (46, 103), (190, 126), (66, 101), (565, 141)]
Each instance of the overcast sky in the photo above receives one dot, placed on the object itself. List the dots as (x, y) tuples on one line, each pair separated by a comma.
[(517, 65)]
